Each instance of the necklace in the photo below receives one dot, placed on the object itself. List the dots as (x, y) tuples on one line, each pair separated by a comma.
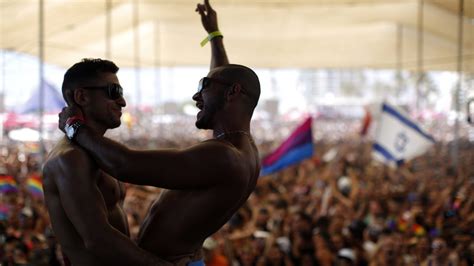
[(232, 133)]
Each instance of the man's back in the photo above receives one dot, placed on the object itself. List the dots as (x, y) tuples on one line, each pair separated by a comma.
[(57, 182), (180, 220)]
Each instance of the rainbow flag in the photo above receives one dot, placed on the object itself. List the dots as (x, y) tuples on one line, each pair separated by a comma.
[(402, 225), (418, 230), (34, 185), (297, 147), (8, 184)]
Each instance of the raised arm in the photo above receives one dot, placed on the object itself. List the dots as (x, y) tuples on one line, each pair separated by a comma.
[(209, 22), (85, 207)]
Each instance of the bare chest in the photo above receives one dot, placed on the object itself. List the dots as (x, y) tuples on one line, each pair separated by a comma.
[(112, 190), (187, 209)]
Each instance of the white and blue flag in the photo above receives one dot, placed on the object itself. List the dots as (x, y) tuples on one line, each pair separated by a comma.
[(398, 138)]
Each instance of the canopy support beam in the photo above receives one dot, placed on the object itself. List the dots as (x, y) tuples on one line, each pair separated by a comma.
[(41, 79)]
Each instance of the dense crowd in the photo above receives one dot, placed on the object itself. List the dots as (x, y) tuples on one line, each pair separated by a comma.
[(26, 237), (350, 210), (338, 208)]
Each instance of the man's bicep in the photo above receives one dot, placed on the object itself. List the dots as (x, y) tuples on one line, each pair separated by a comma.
[(80, 196)]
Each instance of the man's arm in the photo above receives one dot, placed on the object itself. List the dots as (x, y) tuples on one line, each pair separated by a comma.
[(209, 22), (203, 165), (85, 208)]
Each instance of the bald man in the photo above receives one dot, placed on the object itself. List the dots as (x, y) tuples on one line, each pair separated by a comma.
[(205, 183)]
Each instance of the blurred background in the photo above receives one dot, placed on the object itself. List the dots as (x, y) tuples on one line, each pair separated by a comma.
[(336, 61)]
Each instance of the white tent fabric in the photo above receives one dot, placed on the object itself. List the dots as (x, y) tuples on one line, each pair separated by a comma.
[(259, 33), (24, 134)]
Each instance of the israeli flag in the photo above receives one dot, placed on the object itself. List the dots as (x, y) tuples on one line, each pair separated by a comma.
[(398, 138)]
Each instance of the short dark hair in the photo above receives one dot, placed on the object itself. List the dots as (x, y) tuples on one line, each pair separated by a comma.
[(84, 72), (246, 77)]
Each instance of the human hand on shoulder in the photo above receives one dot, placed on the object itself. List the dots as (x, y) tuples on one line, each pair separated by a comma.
[(208, 16), (67, 114)]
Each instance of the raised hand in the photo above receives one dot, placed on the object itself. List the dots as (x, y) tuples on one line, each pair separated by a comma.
[(208, 16)]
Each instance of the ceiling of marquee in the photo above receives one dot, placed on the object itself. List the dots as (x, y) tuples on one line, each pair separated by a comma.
[(259, 33)]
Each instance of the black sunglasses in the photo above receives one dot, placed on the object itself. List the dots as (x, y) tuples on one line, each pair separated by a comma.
[(114, 91), (204, 82)]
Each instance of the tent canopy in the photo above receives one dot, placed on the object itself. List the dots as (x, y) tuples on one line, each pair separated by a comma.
[(259, 33)]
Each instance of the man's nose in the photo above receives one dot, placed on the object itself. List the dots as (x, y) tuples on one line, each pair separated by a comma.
[(196, 96), (121, 101)]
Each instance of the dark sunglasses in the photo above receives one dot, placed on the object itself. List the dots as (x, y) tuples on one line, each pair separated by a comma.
[(114, 91), (204, 82)]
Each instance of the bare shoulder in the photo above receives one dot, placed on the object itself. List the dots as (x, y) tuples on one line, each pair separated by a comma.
[(65, 156), (219, 152), (223, 156), (223, 147)]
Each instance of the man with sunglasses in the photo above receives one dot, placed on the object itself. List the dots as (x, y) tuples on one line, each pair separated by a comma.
[(205, 183), (85, 203)]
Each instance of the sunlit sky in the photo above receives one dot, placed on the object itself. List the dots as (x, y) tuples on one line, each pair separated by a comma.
[(19, 76)]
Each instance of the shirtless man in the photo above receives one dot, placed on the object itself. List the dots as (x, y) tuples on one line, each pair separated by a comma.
[(206, 183), (84, 203)]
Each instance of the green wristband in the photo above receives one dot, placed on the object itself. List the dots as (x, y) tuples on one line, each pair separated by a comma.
[(211, 36)]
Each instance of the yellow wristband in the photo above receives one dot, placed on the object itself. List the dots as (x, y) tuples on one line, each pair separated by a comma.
[(211, 36)]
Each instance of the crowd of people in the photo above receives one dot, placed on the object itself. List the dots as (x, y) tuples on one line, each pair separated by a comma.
[(338, 208), (350, 210), (26, 237)]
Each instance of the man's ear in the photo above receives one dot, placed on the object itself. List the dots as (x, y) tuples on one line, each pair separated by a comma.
[(234, 91), (80, 97)]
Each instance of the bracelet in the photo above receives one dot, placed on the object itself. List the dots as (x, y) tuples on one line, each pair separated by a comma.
[(211, 36), (75, 118)]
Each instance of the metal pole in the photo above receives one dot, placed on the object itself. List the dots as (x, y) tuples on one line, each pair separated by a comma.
[(399, 56), (156, 41), (419, 82), (2, 93), (136, 46), (457, 103), (108, 27), (41, 78)]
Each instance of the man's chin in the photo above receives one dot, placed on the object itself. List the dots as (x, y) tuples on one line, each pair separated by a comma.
[(202, 124), (114, 125)]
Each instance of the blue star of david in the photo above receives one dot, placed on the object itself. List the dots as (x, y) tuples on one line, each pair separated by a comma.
[(401, 142)]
